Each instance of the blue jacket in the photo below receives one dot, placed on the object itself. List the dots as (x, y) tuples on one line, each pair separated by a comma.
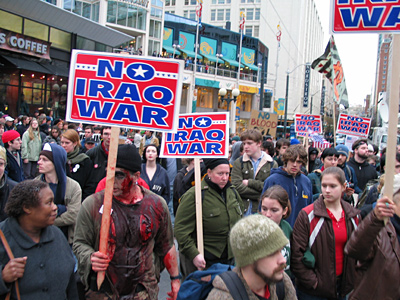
[(351, 178), (13, 170), (299, 189)]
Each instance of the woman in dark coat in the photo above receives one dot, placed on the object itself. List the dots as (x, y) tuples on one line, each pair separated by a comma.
[(43, 263), (79, 165)]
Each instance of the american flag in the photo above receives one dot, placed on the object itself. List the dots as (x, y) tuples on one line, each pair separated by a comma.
[(319, 141)]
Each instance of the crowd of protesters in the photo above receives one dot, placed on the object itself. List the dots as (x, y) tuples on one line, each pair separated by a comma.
[(331, 234)]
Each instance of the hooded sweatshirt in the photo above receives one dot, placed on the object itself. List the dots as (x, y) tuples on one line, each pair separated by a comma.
[(298, 187), (364, 172)]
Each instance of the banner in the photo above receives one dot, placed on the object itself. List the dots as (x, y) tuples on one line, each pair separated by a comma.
[(306, 84), (353, 125), (330, 65), (199, 136), (263, 121), (281, 106), (322, 108), (126, 91), (308, 123), (365, 16)]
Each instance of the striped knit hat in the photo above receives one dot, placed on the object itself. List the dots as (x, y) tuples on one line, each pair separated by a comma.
[(255, 237)]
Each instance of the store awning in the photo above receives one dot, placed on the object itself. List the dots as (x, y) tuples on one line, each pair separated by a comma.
[(251, 67), (171, 50), (58, 68), (191, 53), (232, 62), (209, 57), (26, 64)]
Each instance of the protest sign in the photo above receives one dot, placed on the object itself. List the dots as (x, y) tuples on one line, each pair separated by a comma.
[(128, 91), (264, 121), (199, 135), (308, 123), (353, 125)]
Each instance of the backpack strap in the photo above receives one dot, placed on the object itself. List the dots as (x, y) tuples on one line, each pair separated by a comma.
[(350, 175), (235, 285), (280, 290)]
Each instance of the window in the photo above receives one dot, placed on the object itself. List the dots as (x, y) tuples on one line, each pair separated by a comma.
[(383, 81), (250, 1), (383, 87), (250, 14), (256, 31), (214, 2), (220, 15), (213, 14), (190, 2), (383, 77), (221, 1), (248, 30), (36, 30), (385, 57), (227, 15), (385, 62), (242, 1), (185, 13), (384, 72), (192, 15), (10, 22), (386, 50), (257, 14), (60, 39)]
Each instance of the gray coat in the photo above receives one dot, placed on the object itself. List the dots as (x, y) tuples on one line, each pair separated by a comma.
[(49, 270)]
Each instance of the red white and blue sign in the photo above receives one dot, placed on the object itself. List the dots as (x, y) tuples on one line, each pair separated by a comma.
[(379, 16), (307, 124), (353, 125), (199, 135), (124, 90)]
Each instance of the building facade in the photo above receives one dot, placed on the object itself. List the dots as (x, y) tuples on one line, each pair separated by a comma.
[(36, 40), (297, 26)]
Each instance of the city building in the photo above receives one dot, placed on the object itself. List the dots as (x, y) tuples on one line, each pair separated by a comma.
[(290, 29), (36, 39)]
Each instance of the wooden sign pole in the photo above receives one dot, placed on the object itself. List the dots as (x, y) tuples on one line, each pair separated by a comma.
[(199, 207), (393, 119), (108, 194)]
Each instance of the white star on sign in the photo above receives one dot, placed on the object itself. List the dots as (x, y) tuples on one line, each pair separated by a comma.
[(140, 72), (203, 122)]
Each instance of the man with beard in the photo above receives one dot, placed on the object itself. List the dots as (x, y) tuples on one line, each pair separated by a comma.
[(256, 245), (364, 171)]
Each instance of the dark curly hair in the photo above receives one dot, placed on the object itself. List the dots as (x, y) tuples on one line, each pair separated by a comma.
[(144, 153), (24, 194)]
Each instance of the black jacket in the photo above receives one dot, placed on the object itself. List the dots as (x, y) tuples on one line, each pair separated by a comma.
[(14, 171), (99, 159), (6, 186), (83, 174), (364, 172)]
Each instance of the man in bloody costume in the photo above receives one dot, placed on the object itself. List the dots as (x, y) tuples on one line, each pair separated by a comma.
[(140, 225)]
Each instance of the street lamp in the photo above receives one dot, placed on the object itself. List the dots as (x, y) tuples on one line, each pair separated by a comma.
[(287, 96), (175, 46), (235, 93)]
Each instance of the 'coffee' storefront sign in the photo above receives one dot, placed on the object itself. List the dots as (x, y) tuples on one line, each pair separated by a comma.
[(17, 42)]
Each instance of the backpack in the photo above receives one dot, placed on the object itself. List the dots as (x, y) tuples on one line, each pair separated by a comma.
[(198, 284), (364, 195)]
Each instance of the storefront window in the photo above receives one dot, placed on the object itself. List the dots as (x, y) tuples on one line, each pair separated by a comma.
[(60, 39), (36, 30), (244, 102), (204, 97), (85, 44), (10, 22)]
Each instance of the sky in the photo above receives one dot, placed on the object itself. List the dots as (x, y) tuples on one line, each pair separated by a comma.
[(358, 53)]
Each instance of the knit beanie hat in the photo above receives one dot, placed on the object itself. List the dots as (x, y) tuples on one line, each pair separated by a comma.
[(294, 142), (128, 158), (9, 136), (342, 149), (211, 163), (3, 154), (255, 237), (48, 152)]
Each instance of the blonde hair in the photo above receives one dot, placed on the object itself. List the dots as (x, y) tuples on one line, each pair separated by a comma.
[(31, 131)]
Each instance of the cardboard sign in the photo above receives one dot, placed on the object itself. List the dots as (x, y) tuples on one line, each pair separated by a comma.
[(199, 136), (264, 121), (308, 123), (377, 16), (126, 91), (353, 125)]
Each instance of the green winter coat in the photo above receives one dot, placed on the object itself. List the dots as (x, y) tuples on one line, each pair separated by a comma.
[(218, 219), (30, 149)]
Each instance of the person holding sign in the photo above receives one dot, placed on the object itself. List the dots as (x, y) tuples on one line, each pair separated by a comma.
[(140, 226), (375, 244), (222, 208)]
